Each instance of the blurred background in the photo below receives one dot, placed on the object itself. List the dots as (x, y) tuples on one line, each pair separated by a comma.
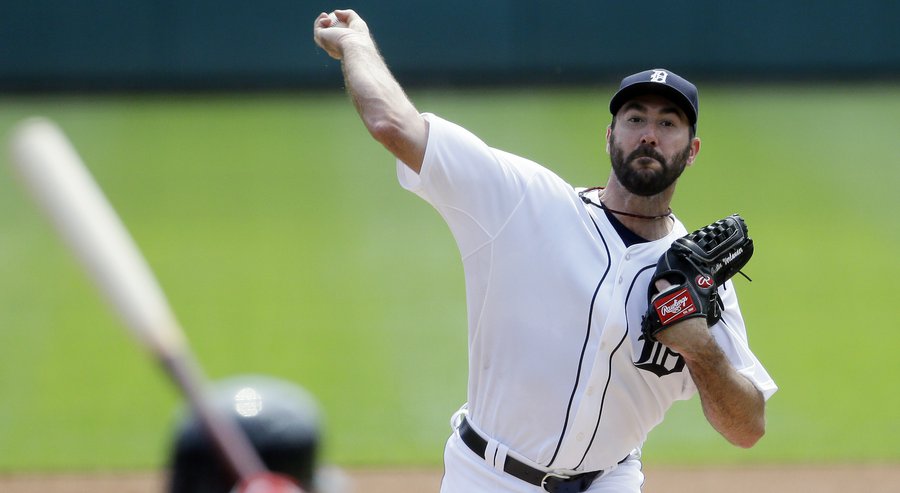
[(98, 45), (223, 137)]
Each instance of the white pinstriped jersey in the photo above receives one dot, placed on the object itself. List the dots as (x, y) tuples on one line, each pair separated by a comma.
[(558, 369)]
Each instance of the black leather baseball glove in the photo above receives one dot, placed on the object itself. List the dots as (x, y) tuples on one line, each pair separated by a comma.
[(696, 265)]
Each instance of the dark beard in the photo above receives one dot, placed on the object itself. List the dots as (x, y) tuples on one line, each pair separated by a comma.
[(645, 182)]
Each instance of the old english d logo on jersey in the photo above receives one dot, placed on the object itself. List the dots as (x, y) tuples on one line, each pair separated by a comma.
[(674, 306), (659, 359)]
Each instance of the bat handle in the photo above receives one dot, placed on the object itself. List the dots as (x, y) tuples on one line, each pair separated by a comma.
[(230, 440)]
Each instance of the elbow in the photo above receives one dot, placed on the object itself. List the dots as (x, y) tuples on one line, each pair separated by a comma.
[(751, 435), (386, 131), (404, 139), (749, 441)]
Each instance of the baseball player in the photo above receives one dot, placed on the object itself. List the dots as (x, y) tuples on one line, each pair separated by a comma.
[(283, 422), (574, 354)]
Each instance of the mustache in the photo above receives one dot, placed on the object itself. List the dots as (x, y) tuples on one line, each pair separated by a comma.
[(646, 150)]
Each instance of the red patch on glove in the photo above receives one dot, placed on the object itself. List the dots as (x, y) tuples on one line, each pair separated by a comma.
[(674, 306)]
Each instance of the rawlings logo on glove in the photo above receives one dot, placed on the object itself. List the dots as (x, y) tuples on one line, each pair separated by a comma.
[(695, 266), (674, 307)]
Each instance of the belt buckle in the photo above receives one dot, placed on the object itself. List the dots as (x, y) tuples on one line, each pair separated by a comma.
[(554, 475)]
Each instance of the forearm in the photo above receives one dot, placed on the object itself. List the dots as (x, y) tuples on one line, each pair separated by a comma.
[(373, 89), (382, 104), (731, 403)]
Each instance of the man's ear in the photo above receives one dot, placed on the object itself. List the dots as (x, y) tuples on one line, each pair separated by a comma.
[(695, 149), (608, 134)]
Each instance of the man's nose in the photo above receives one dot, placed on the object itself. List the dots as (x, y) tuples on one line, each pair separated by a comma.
[(649, 136)]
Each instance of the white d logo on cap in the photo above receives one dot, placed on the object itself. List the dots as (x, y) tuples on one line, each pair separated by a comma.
[(659, 76)]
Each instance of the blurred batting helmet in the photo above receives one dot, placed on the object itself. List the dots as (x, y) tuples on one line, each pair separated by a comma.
[(281, 419)]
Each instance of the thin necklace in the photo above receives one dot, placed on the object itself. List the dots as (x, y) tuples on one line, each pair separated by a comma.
[(603, 206)]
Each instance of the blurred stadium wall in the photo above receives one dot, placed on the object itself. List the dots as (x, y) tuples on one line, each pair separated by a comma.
[(98, 45)]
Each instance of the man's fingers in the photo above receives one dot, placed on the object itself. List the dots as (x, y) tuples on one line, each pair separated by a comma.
[(320, 27), (320, 21), (345, 16), (661, 285)]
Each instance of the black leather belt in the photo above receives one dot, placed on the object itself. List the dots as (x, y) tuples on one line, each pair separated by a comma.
[(549, 481)]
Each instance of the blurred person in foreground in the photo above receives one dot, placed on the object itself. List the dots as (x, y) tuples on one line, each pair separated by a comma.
[(563, 385), (283, 422)]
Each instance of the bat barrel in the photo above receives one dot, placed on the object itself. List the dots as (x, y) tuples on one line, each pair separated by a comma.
[(51, 169), (59, 182)]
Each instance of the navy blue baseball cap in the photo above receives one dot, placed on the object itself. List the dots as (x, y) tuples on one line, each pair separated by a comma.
[(663, 82)]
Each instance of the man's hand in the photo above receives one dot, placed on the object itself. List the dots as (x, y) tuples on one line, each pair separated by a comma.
[(331, 31), (687, 337)]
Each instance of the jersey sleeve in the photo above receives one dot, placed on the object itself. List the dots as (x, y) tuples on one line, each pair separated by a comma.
[(473, 186), (731, 335)]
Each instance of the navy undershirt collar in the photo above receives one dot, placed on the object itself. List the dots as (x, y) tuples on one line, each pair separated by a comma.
[(628, 236)]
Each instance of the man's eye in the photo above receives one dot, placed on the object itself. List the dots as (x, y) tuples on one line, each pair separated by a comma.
[(635, 119), (667, 123)]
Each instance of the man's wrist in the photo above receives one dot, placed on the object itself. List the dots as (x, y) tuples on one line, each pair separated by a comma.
[(357, 42), (691, 339)]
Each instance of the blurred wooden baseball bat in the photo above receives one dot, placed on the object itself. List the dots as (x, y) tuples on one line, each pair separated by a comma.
[(58, 180)]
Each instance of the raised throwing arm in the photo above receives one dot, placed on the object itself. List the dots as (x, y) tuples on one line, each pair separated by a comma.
[(382, 104)]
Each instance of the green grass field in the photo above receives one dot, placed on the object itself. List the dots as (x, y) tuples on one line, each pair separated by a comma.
[(277, 229)]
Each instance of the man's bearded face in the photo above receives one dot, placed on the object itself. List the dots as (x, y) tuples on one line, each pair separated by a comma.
[(636, 173)]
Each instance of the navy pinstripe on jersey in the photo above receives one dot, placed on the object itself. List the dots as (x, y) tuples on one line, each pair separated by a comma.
[(587, 336)]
